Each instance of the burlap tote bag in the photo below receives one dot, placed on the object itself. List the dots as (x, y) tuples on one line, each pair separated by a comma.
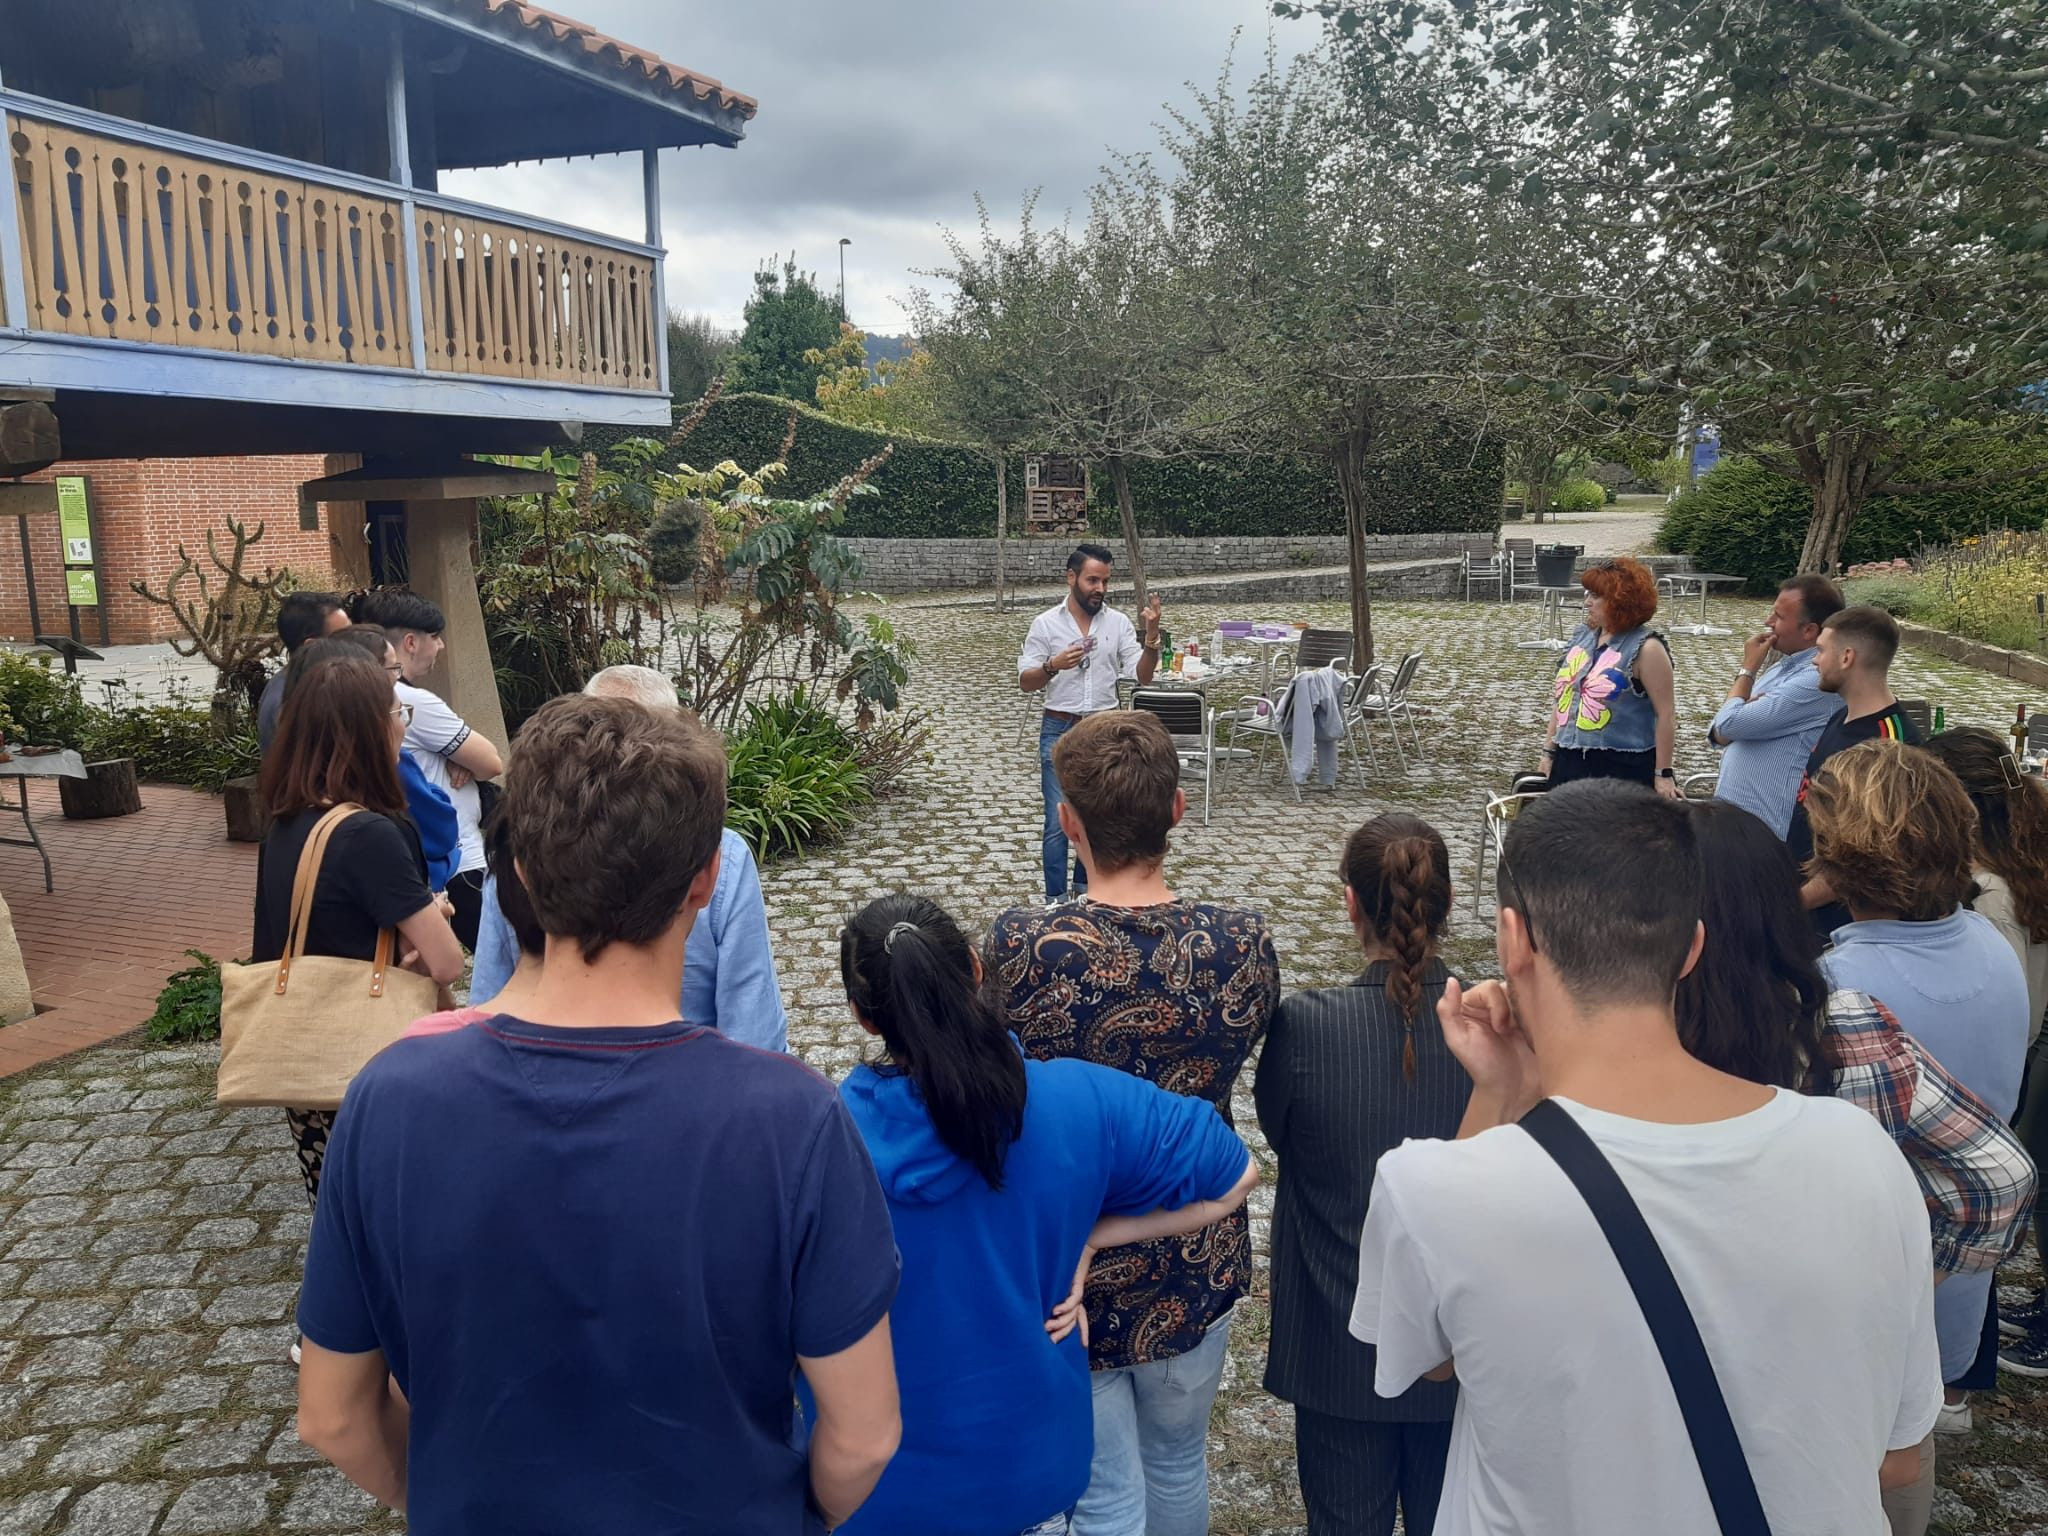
[(296, 1032)]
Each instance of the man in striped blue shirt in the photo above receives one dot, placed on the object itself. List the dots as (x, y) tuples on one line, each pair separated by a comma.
[(1769, 728)]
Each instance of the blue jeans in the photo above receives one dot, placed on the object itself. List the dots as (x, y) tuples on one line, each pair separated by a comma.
[(1150, 1476), (1058, 853)]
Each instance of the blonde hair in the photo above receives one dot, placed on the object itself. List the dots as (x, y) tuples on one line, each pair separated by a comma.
[(1892, 831)]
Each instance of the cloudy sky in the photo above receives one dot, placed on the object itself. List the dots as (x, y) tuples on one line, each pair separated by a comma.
[(879, 121)]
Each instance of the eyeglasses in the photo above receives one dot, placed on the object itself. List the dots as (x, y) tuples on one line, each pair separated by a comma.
[(1515, 900), (402, 712)]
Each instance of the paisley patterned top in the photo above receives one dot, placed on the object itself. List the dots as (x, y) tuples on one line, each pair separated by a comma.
[(1178, 994)]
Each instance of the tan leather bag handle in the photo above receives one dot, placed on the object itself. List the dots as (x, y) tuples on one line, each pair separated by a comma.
[(304, 880)]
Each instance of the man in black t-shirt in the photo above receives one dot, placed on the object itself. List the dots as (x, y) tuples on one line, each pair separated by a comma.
[(1852, 659)]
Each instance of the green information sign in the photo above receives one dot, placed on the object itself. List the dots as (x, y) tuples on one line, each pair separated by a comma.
[(74, 519), (83, 588)]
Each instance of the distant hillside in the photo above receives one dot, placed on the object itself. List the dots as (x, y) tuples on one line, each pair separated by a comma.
[(892, 348)]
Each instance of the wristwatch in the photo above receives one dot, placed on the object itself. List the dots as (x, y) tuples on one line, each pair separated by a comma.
[(1745, 672), (1666, 773)]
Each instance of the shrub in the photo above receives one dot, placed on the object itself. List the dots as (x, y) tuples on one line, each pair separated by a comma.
[(931, 489), (173, 743), (1985, 589), (188, 1008), (1580, 495), (1896, 595), (46, 704), (1751, 521), (794, 778)]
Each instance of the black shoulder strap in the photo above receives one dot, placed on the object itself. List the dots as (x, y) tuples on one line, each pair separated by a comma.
[(1714, 1442)]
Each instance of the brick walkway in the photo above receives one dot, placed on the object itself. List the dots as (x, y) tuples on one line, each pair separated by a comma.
[(133, 894)]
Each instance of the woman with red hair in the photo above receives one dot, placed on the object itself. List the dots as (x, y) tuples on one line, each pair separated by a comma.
[(1612, 716)]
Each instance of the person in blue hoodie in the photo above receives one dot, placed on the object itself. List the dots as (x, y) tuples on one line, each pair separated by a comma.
[(1001, 1175)]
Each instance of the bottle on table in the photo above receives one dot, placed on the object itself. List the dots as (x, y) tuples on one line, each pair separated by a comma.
[(1940, 720), (2019, 732)]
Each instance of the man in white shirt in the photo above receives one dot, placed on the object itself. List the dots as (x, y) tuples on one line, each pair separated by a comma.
[(1795, 1230), (1076, 652), (443, 746), (1769, 727)]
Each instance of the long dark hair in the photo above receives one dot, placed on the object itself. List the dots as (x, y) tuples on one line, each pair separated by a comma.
[(1754, 1005), (1400, 871), (335, 740), (909, 970)]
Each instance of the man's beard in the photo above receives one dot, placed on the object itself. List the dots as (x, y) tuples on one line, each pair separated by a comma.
[(1089, 601)]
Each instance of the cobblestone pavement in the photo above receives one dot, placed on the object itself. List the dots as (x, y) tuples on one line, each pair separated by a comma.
[(150, 1242)]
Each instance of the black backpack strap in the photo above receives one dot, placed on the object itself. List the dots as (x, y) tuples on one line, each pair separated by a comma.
[(1714, 1442)]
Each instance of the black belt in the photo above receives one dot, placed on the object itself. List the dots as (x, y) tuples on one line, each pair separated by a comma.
[(1063, 715)]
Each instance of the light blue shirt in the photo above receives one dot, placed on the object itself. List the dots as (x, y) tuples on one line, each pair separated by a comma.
[(729, 981), (1770, 737), (1956, 987)]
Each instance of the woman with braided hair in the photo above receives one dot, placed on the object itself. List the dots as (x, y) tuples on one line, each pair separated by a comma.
[(1349, 1073)]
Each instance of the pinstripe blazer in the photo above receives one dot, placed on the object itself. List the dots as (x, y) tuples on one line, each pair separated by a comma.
[(1331, 1101)]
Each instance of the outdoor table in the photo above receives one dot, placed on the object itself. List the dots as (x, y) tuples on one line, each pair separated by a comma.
[(1679, 582), (47, 765), (1267, 646), (1552, 638)]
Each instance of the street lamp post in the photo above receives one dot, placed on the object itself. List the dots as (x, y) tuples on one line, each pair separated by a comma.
[(844, 242)]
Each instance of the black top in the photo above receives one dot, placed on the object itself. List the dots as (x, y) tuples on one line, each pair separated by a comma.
[(1332, 1101), (1838, 735), (373, 877)]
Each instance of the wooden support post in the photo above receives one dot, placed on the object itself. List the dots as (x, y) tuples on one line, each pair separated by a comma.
[(437, 535)]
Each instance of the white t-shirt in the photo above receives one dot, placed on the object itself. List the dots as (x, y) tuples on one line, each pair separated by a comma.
[(1799, 1237), (1082, 690), (435, 733)]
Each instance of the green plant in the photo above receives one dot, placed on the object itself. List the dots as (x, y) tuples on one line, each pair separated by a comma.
[(173, 743), (1749, 520), (1896, 595), (188, 1008), (890, 748), (1985, 588), (45, 703), (1580, 495), (794, 778)]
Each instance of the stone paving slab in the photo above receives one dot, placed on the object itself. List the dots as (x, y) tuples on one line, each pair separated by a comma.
[(150, 1241)]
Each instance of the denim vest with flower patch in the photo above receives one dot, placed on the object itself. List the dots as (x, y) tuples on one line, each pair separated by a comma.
[(1598, 700)]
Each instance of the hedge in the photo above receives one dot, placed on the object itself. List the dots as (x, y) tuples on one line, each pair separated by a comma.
[(1751, 521), (933, 490)]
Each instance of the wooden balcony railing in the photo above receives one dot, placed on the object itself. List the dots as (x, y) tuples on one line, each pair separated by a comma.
[(125, 240)]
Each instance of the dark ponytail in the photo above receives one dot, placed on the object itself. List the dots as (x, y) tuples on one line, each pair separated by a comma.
[(909, 970), (1400, 871)]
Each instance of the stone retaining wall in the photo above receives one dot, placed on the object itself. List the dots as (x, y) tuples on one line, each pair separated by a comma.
[(926, 565), (2020, 666)]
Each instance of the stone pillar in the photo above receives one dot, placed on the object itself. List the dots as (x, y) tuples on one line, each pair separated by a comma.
[(437, 535), (16, 1003)]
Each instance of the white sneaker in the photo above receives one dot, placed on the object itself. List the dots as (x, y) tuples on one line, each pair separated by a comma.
[(1954, 1419), (295, 1361)]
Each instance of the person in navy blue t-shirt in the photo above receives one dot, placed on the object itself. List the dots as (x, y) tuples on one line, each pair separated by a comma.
[(591, 1247)]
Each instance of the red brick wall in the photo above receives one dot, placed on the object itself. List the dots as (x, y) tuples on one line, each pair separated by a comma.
[(146, 507)]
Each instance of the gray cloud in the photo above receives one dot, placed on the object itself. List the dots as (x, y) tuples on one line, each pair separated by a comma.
[(880, 120)]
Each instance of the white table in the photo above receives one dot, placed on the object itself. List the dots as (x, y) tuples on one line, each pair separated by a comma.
[(1552, 638), (46, 765), (1681, 584)]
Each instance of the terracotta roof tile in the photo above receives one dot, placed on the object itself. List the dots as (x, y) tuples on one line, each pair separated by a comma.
[(561, 32)]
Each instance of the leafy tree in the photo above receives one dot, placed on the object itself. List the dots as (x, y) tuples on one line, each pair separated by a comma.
[(787, 317), (697, 350), (1846, 205), (983, 356), (1333, 272), (893, 396)]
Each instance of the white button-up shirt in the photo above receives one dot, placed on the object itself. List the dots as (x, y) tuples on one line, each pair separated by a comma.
[(1089, 688)]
